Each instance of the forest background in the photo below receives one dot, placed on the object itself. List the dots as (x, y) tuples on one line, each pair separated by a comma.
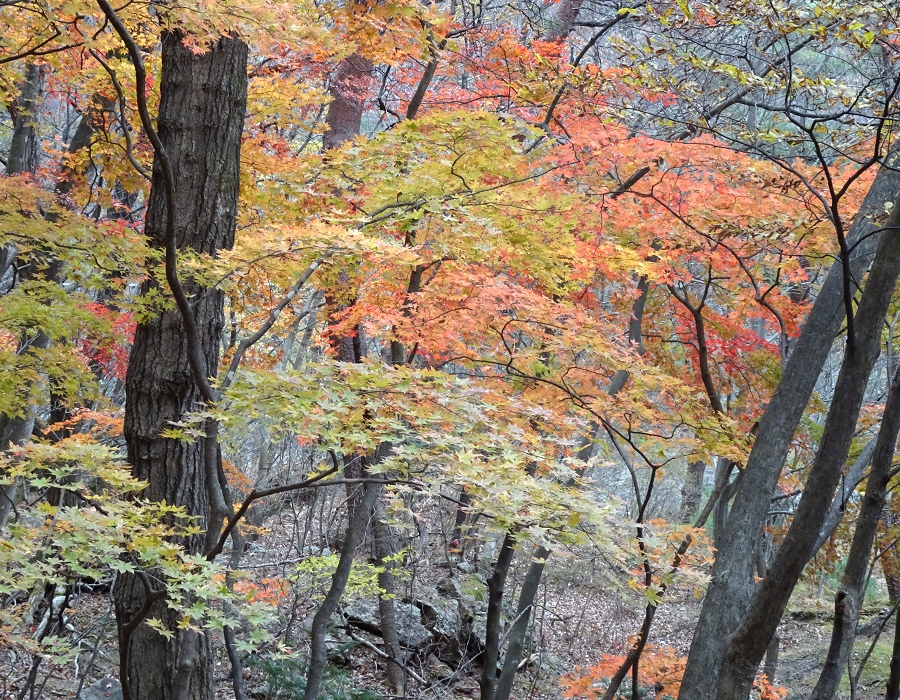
[(350, 333)]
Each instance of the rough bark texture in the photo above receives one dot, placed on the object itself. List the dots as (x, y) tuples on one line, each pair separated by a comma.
[(25, 147), (349, 89), (201, 116), (563, 20), (849, 597), (893, 685), (890, 560), (748, 644), (731, 586), (691, 490)]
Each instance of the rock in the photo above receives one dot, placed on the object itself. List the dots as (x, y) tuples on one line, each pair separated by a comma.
[(436, 669), (338, 647), (364, 614), (412, 633), (439, 615), (479, 627), (104, 689), (466, 567)]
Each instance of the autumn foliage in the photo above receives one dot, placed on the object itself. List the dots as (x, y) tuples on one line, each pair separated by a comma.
[(545, 273)]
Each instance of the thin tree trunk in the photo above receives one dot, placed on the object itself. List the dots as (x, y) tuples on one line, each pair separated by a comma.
[(201, 116), (731, 587), (748, 644), (516, 638), (770, 665), (387, 582), (496, 586), (893, 684), (849, 597), (356, 529)]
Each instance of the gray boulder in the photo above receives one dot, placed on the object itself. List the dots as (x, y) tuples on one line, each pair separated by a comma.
[(104, 689)]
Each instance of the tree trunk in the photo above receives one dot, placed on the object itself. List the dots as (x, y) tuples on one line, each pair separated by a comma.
[(849, 597), (770, 665), (523, 616), (25, 147), (356, 529), (893, 685), (201, 116), (496, 586), (387, 582), (348, 90), (23, 157), (562, 20), (731, 586), (748, 644), (691, 490)]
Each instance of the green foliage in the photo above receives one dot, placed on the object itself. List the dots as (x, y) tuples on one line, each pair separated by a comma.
[(106, 529), (285, 679), (443, 430), (313, 575)]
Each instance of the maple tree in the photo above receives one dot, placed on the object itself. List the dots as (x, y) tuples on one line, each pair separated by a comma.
[(459, 257)]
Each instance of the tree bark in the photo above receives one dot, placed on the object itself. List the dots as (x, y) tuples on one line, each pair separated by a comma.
[(524, 612), (893, 685), (23, 157), (731, 587), (849, 597), (890, 560), (356, 529), (563, 19), (748, 644), (387, 582), (496, 586), (25, 146), (201, 116), (691, 490), (348, 90)]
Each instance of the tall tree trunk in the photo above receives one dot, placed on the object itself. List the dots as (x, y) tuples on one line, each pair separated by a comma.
[(201, 116), (349, 90), (23, 157), (849, 597), (748, 644), (731, 587)]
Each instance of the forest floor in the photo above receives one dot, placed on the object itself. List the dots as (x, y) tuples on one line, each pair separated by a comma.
[(579, 623), (584, 616)]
